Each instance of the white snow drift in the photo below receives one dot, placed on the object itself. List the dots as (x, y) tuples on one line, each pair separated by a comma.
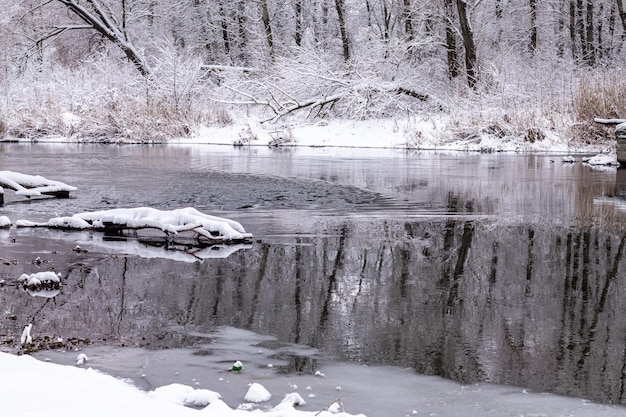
[(29, 387)]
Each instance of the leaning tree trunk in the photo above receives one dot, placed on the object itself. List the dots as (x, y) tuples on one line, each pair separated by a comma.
[(101, 20)]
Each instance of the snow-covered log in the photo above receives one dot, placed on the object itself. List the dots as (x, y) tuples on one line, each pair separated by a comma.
[(203, 227), (609, 121), (34, 185)]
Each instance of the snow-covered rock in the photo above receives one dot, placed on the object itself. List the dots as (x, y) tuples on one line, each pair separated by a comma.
[(257, 393), (602, 159), (5, 222), (293, 399), (81, 359), (185, 395)]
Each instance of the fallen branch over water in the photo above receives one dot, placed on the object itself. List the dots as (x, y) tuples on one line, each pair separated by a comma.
[(173, 223), (34, 185)]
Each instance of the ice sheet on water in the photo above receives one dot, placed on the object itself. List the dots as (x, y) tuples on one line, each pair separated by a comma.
[(375, 391)]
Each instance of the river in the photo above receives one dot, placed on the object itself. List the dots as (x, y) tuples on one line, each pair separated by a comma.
[(499, 268)]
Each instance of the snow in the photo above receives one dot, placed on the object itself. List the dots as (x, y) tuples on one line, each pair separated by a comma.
[(185, 395), (416, 132), (257, 394), (30, 387)]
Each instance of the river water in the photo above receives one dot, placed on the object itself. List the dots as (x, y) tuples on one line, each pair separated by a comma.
[(498, 268)]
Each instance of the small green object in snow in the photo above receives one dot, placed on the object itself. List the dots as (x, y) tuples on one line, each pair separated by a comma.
[(237, 366)]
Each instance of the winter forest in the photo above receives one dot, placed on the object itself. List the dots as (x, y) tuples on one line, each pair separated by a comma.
[(149, 70)]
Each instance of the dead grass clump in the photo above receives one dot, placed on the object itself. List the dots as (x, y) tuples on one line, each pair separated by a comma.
[(533, 135), (600, 96), (589, 132)]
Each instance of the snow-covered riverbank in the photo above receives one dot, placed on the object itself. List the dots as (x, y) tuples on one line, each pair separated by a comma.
[(422, 133), (432, 133), (31, 387)]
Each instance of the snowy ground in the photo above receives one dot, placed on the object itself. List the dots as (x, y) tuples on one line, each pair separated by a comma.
[(414, 133)]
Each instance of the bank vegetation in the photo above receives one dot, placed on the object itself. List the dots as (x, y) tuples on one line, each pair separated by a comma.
[(149, 70)]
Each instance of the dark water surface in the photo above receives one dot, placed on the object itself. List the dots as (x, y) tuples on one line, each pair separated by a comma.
[(499, 268)]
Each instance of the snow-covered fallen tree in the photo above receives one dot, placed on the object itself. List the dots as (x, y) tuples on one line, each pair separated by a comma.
[(173, 223), (34, 185)]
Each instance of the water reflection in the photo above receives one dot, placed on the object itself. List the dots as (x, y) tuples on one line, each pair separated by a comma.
[(478, 268)]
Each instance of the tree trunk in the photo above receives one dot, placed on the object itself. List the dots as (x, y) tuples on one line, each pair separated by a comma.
[(339, 5), (243, 35), (468, 44), (572, 29), (612, 21), (224, 27), (368, 8), (532, 47), (265, 16), (580, 28), (499, 9), (124, 20), (408, 20), (622, 16), (589, 38), (560, 44), (453, 58), (386, 15), (298, 12)]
